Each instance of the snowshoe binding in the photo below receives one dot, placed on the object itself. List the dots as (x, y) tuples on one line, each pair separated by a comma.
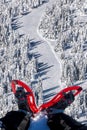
[(60, 106), (21, 97)]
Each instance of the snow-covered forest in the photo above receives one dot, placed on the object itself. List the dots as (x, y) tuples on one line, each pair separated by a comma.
[(64, 23), (16, 59)]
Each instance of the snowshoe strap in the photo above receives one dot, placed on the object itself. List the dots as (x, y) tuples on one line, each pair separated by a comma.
[(24, 124)]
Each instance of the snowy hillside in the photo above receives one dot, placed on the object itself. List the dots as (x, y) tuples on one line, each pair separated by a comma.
[(44, 44), (65, 23)]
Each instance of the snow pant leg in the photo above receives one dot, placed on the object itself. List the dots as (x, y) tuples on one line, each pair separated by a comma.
[(82, 128), (61, 121), (54, 122), (13, 119)]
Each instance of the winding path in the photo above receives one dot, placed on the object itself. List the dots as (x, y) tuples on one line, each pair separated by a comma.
[(50, 69)]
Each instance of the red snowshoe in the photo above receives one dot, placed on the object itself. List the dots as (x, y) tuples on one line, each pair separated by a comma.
[(64, 102), (26, 100)]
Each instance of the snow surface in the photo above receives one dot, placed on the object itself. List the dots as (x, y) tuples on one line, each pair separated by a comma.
[(51, 65)]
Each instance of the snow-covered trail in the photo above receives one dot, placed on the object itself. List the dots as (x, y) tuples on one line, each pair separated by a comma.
[(50, 67)]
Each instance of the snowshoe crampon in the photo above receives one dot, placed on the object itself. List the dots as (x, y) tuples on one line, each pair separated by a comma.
[(27, 100)]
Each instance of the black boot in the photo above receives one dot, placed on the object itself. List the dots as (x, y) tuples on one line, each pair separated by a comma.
[(21, 97)]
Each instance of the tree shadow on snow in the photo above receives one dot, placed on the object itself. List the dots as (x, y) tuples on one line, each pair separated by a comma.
[(36, 55), (16, 25), (50, 93), (50, 89), (80, 83), (25, 13), (45, 78), (48, 97), (33, 44), (42, 73), (43, 66)]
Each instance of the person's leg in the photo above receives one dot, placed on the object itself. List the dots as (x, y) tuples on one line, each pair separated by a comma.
[(13, 119), (61, 121), (83, 128)]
